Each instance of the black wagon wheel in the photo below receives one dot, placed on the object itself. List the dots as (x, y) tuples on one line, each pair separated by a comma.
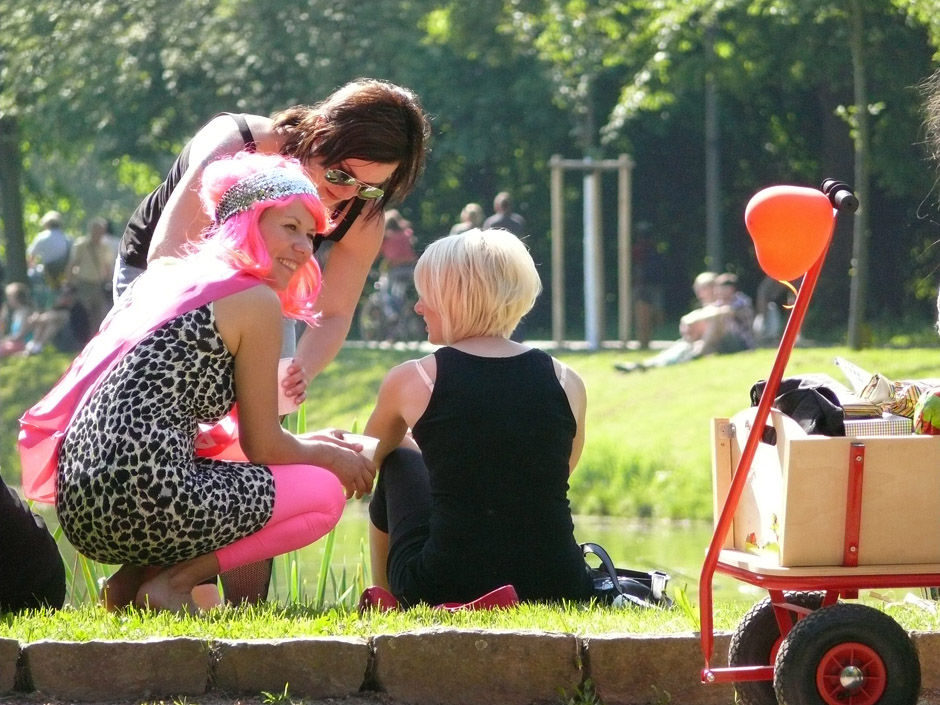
[(847, 654), (756, 640)]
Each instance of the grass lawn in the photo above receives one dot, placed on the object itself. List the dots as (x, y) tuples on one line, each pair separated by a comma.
[(647, 447), (646, 454), (274, 621), (270, 621)]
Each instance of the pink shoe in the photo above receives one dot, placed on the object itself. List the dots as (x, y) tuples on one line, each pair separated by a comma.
[(377, 598), (501, 597)]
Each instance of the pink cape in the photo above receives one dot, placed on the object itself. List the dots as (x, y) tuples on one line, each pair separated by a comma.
[(163, 292)]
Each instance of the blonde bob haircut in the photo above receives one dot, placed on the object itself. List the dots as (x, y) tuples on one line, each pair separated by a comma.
[(480, 282)]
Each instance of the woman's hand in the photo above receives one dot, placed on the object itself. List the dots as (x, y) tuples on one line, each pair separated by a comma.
[(354, 470), (295, 382)]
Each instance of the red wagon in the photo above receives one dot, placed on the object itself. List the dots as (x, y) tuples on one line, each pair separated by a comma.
[(837, 512)]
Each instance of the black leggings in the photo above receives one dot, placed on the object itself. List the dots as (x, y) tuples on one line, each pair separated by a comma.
[(32, 573), (401, 507)]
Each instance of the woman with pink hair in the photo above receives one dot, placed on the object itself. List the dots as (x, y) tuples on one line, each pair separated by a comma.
[(364, 147), (117, 443)]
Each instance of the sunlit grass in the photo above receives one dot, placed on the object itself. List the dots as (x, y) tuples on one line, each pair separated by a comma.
[(269, 621), (274, 621), (647, 454)]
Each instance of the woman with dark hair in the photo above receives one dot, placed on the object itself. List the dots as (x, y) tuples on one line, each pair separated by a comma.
[(363, 147)]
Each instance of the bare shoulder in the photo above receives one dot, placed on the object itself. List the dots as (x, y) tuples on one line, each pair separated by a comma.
[(407, 388), (409, 372), (568, 374), (266, 137), (411, 382), (221, 137), (254, 314), (259, 301)]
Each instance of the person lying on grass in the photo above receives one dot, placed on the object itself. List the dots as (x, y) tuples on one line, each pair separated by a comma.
[(477, 440), (188, 340)]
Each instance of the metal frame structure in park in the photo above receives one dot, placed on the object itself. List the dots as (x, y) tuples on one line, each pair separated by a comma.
[(593, 247)]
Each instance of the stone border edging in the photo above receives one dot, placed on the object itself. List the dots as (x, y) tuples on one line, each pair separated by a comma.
[(425, 667)]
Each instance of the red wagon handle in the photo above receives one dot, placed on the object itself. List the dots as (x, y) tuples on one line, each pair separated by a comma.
[(841, 198)]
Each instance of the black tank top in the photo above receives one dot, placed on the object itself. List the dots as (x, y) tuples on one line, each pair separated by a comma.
[(496, 437), (138, 233)]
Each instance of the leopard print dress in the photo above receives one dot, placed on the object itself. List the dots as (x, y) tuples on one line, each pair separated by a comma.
[(130, 487)]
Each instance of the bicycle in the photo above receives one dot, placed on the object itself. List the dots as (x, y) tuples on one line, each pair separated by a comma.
[(387, 313)]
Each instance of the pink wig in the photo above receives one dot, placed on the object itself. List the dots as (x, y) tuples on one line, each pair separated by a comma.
[(237, 240)]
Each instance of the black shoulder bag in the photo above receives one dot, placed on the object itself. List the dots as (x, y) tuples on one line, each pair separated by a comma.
[(622, 587)]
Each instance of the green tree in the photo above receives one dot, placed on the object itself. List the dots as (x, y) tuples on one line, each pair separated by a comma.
[(85, 84), (97, 96), (787, 113)]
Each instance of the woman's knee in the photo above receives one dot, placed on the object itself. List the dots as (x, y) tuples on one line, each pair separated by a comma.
[(402, 477), (302, 489), (402, 458), (378, 511)]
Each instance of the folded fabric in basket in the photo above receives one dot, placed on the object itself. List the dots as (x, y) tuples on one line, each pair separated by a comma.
[(893, 396), (813, 406), (854, 405), (887, 425)]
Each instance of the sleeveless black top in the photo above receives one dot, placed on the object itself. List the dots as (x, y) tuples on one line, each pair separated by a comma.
[(496, 438), (138, 233)]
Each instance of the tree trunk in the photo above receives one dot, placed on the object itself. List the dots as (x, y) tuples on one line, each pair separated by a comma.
[(714, 258), (859, 281), (11, 200)]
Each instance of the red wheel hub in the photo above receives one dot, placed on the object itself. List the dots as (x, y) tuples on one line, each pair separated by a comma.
[(851, 674)]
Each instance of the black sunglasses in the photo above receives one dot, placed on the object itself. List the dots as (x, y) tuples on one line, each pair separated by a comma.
[(341, 178)]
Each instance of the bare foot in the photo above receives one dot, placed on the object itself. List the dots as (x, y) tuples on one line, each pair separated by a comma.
[(172, 588), (120, 590), (159, 593), (205, 597)]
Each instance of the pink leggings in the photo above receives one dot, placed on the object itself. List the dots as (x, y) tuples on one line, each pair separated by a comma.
[(308, 502)]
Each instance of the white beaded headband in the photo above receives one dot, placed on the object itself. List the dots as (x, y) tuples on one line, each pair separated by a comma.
[(263, 186)]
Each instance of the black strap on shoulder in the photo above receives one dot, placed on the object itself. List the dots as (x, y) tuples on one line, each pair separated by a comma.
[(337, 233), (244, 130)]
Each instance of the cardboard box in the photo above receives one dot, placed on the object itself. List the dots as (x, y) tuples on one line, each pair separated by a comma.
[(793, 506), (887, 425)]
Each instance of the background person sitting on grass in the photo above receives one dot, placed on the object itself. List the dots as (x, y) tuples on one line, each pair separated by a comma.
[(16, 312), (476, 497), (698, 329)]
